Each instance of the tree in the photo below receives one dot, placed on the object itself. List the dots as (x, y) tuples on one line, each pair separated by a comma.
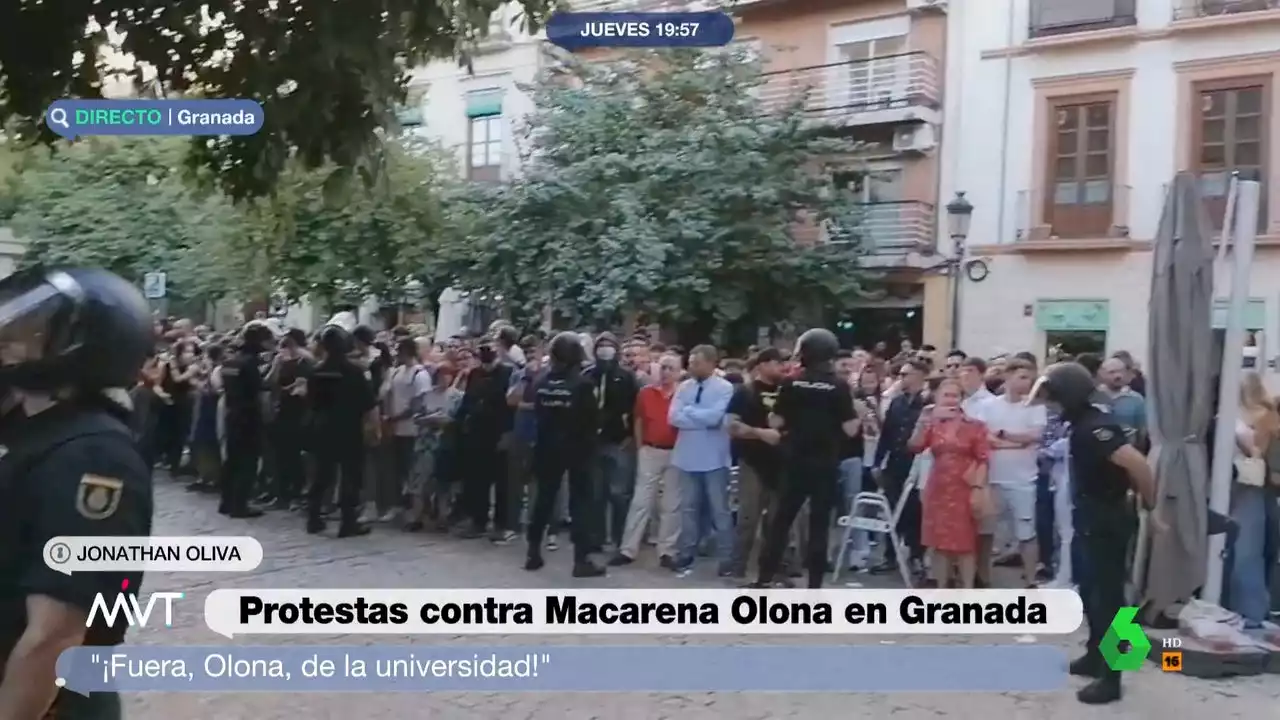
[(324, 240), (328, 74), (122, 205), (659, 184)]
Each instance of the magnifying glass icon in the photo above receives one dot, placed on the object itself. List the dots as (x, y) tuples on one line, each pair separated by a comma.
[(58, 116)]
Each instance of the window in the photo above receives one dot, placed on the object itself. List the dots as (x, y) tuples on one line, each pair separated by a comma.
[(1061, 17), (1080, 200), (1230, 136), (1075, 342), (876, 185), (485, 144), (877, 72)]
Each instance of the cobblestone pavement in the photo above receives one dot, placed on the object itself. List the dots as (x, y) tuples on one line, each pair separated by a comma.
[(389, 558)]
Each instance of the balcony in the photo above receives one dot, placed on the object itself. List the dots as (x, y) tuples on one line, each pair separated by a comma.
[(892, 89), (1196, 9), (1064, 17), (894, 228), (1074, 215)]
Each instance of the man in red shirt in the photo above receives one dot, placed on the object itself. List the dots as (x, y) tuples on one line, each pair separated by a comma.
[(654, 440)]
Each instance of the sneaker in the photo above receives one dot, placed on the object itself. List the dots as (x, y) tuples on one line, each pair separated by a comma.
[(553, 543), (666, 562), (504, 537), (619, 560), (389, 516), (369, 515)]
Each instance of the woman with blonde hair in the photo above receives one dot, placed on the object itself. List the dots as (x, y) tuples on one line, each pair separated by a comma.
[(1253, 503)]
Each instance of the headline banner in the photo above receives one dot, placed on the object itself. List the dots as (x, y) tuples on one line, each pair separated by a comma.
[(421, 668), (78, 118), (233, 612)]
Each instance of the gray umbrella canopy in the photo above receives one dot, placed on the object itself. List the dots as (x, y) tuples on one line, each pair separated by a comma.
[(1180, 389)]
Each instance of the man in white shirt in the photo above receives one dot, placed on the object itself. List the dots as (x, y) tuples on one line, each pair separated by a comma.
[(1016, 429), (973, 380)]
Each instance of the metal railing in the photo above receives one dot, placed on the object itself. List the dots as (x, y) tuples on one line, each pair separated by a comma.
[(844, 89), (1064, 17), (893, 226), (1093, 209), (1193, 9)]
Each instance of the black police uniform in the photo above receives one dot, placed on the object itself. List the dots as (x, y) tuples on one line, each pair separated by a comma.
[(1104, 524), (71, 466), (566, 409), (242, 388), (340, 397), (813, 407)]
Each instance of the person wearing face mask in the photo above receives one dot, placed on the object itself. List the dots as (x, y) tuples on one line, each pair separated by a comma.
[(613, 479), (483, 418)]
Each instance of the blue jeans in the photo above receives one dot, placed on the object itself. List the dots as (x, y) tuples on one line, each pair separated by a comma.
[(1045, 517), (1254, 510), (710, 490)]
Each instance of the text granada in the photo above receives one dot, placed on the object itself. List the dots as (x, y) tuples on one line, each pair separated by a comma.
[(914, 610)]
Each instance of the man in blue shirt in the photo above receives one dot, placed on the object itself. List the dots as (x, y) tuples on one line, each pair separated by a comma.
[(698, 412)]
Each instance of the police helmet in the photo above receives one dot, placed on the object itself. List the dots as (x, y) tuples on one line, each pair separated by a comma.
[(566, 350), (816, 347), (77, 327), (1067, 385), (336, 341)]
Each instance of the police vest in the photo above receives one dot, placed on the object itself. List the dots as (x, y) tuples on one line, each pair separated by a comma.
[(29, 448)]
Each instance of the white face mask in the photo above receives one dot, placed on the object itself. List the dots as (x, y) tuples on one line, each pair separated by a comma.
[(606, 353)]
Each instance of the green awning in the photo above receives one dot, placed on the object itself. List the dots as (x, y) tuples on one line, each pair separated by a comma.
[(1073, 315), (1255, 314), (483, 103)]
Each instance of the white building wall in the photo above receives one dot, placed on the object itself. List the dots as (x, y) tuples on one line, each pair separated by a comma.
[(991, 114)]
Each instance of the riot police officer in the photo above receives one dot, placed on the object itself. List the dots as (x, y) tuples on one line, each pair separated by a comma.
[(565, 406), (341, 399), (1104, 467), (72, 342), (814, 412), (243, 385)]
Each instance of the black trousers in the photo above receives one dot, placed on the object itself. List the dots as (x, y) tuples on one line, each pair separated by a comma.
[(175, 421), (894, 479), (290, 475), (1105, 529), (548, 471), (818, 484), (341, 462), (484, 481), (244, 449)]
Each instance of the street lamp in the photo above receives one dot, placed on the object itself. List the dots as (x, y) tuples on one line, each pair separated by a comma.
[(959, 214)]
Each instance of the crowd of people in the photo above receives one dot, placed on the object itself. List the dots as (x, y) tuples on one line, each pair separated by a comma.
[(678, 449)]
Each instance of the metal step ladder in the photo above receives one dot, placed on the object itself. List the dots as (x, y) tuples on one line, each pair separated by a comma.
[(873, 513)]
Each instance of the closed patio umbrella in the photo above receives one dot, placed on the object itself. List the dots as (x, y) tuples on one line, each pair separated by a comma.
[(1180, 389)]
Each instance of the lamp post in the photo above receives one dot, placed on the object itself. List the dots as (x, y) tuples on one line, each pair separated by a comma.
[(959, 213)]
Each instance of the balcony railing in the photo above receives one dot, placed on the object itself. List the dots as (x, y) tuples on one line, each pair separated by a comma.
[(1063, 17), (841, 91), (893, 227), (1193, 9), (1089, 209)]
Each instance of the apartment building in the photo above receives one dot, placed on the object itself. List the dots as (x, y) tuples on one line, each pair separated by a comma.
[(1067, 120)]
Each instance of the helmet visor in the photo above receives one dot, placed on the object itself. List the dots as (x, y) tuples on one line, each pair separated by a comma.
[(29, 307)]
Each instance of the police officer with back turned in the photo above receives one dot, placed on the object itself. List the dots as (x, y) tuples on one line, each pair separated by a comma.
[(814, 412), (342, 400), (566, 407), (1104, 467), (71, 344), (243, 385)]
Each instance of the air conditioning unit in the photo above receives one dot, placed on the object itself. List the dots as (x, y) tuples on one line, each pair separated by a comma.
[(926, 5), (915, 139)]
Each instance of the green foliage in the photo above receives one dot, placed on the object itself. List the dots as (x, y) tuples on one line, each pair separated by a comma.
[(313, 237), (120, 204), (659, 184), (328, 74)]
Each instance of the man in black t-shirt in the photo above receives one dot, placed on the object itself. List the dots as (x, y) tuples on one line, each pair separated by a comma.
[(756, 447)]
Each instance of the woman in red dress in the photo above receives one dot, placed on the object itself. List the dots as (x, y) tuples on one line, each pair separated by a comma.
[(955, 495)]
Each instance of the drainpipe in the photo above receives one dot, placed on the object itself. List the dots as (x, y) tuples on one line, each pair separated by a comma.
[(1004, 125)]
